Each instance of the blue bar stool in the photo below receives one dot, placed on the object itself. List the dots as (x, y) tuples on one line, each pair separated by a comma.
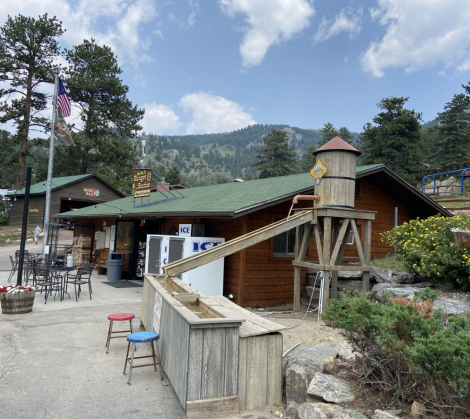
[(142, 337)]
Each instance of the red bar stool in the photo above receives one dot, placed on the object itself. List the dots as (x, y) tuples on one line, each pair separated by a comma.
[(118, 317)]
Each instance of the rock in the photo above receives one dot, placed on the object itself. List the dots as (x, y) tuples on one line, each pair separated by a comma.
[(41, 234), (452, 306), (330, 389), (30, 241), (402, 290), (384, 415), (381, 275), (327, 411), (350, 274), (345, 285), (394, 412), (292, 408), (308, 291), (346, 352), (330, 366), (7, 241), (17, 241), (301, 367), (418, 409), (405, 278)]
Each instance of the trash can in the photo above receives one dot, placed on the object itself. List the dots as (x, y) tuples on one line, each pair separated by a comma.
[(115, 262)]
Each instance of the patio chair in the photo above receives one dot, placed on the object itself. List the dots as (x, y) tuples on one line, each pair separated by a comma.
[(43, 279), (82, 277), (14, 267)]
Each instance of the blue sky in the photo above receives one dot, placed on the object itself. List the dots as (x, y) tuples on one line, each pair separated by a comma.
[(214, 66)]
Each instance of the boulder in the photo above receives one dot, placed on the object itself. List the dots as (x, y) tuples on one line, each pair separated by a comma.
[(17, 241), (41, 234), (384, 415), (346, 352), (398, 290), (330, 389), (452, 306), (381, 275), (330, 366), (7, 241), (349, 285), (350, 274), (327, 411), (309, 290), (301, 367), (405, 278), (292, 408), (29, 241), (418, 409)]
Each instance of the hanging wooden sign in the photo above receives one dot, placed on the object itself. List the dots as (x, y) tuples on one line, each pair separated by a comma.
[(92, 192), (141, 182), (318, 171)]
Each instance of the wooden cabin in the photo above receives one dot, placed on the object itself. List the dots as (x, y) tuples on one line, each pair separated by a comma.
[(68, 193), (261, 275)]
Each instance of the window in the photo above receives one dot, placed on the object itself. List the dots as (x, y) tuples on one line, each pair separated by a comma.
[(350, 238), (357, 188), (284, 243)]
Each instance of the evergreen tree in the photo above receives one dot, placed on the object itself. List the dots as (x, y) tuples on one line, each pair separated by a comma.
[(276, 158), (28, 48), (329, 131), (452, 143), (173, 175), (395, 139), (109, 119), (308, 160), (9, 158)]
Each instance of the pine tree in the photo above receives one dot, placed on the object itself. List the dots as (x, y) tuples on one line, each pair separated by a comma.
[(329, 131), (395, 139), (109, 119), (451, 147), (173, 175), (28, 48), (308, 160), (276, 158)]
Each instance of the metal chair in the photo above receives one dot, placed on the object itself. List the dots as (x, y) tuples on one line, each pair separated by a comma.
[(43, 279), (14, 268), (82, 277)]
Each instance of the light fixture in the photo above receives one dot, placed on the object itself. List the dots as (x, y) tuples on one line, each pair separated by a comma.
[(15, 198), (95, 206), (70, 198), (119, 213)]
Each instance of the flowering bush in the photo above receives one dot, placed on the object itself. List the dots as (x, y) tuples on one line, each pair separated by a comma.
[(14, 289), (428, 248)]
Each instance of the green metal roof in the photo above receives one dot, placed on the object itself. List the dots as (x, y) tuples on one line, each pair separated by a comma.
[(227, 199), (57, 182)]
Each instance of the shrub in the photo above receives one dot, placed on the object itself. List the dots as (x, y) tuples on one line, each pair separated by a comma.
[(407, 349), (428, 248)]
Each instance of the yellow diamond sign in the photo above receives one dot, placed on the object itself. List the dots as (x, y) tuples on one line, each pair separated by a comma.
[(318, 171)]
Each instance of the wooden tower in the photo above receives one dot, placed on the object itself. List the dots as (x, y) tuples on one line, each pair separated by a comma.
[(334, 217)]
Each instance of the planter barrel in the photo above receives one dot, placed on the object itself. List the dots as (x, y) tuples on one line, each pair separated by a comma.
[(19, 303)]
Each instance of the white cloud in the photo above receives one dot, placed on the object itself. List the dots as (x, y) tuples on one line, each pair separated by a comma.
[(213, 114), (159, 118), (420, 34), (348, 20), (269, 22), (115, 23), (187, 23)]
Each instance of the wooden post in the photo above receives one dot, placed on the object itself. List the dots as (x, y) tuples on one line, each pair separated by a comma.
[(241, 268), (334, 274), (297, 272), (326, 258), (367, 251)]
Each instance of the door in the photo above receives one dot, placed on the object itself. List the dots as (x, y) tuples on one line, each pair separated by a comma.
[(125, 238), (175, 251), (154, 252)]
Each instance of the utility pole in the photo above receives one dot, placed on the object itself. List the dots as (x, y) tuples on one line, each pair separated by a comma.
[(47, 209), (24, 226)]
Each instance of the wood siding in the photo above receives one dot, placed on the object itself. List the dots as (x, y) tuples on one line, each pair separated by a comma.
[(73, 191)]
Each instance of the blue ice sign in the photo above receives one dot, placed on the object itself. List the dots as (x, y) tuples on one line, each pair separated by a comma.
[(185, 230), (206, 245)]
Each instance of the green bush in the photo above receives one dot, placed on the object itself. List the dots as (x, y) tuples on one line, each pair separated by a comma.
[(404, 351), (428, 248)]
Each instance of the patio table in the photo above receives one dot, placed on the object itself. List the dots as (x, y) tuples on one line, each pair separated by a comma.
[(60, 272)]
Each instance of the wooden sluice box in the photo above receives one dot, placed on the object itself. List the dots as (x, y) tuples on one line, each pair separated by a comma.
[(219, 357)]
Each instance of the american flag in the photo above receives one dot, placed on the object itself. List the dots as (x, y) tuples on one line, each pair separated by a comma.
[(63, 100)]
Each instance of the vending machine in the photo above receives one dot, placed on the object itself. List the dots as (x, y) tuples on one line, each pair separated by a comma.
[(162, 249)]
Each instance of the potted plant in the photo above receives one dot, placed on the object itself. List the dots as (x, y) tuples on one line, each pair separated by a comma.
[(17, 299)]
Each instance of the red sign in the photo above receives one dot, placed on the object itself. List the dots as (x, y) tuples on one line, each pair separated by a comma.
[(91, 192)]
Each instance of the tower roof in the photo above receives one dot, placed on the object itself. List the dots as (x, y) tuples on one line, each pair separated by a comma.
[(337, 144)]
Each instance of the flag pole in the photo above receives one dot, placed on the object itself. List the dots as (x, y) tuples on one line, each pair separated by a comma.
[(47, 208)]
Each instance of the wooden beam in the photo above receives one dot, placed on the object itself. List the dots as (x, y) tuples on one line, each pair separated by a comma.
[(326, 258), (334, 274), (235, 245), (321, 267), (346, 213), (367, 250), (339, 242), (241, 267), (316, 230), (360, 253), (300, 255), (221, 408)]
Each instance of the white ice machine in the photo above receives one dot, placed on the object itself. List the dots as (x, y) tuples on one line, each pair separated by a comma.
[(161, 250)]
